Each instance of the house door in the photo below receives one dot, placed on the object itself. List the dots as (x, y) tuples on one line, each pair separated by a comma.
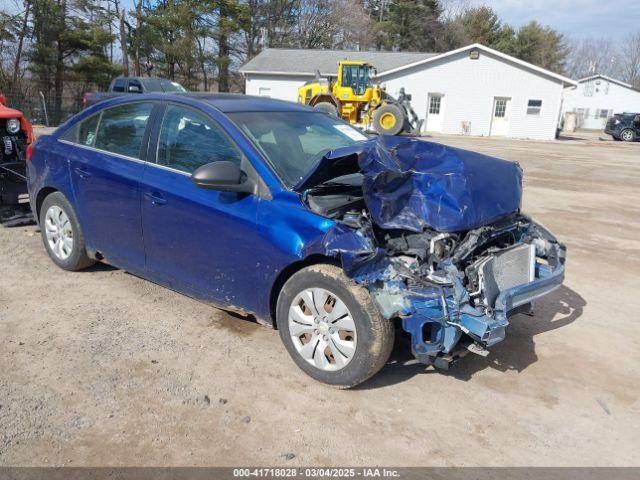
[(435, 112), (501, 115)]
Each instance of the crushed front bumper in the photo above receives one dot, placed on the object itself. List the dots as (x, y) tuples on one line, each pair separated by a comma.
[(438, 319)]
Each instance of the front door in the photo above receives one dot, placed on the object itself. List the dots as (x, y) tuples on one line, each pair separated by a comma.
[(106, 169), (501, 115), (196, 241), (435, 112)]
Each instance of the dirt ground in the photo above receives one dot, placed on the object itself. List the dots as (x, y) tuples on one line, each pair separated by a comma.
[(102, 368)]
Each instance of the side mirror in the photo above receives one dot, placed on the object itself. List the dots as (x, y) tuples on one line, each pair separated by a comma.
[(134, 89), (223, 176)]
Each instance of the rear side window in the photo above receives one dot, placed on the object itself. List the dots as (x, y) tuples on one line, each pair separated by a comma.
[(190, 139), (122, 128), (118, 85), (84, 132), (87, 130)]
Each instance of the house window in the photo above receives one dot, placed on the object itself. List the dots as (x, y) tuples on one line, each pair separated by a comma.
[(534, 107), (264, 92), (604, 113), (501, 108), (434, 105)]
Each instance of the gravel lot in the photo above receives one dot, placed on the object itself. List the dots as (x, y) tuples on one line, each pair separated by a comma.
[(103, 368)]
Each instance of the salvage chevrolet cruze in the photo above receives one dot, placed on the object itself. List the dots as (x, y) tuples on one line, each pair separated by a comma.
[(288, 214)]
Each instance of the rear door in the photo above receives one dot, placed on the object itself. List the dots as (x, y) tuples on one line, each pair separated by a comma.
[(106, 170), (197, 241)]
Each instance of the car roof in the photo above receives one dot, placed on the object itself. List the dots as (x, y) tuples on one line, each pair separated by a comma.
[(236, 102)]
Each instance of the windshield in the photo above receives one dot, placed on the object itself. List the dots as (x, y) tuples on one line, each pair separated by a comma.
[(356, 77), (169, 86), (293, 142)]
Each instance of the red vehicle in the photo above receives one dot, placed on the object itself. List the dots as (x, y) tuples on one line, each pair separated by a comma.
[(16, 135)]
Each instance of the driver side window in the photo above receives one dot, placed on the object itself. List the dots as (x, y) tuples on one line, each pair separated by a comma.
[(189, 139)]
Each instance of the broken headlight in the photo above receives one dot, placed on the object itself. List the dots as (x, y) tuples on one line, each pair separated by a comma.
[(13, 126), (441, 246)]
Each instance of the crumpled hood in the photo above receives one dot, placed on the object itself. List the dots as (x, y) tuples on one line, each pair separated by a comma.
[(411, 184)]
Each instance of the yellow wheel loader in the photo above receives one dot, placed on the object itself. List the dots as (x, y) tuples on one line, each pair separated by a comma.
[(353, 97)]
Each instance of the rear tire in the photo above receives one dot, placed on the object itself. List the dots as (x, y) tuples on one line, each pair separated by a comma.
[(327, 107), (389, 119), (627, 135), (61, 233), (340, 338)]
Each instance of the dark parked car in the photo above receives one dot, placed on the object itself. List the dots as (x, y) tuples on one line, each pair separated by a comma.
[(280, 211), (624, 126), (126, 85)]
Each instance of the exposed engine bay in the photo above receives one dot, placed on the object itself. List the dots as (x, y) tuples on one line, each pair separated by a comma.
[(453, 290)]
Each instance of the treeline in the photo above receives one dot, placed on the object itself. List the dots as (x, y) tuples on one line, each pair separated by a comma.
[(67, 46)]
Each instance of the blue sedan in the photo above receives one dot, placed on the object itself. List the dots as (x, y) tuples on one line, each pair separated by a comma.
[(282, 212)]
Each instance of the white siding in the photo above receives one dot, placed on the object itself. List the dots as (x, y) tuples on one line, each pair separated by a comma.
[(469, 87), (275, 86), (599, 94)]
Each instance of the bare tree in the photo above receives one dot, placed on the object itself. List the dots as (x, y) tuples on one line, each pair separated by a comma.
[(21, 36), (630, 59), (592, 56), (121, 13)]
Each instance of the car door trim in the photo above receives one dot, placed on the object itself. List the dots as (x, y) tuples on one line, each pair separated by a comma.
[(124, 157), (98, 150)]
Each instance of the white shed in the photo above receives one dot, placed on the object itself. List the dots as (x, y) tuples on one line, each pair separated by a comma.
[(472, 90), (598, 97)]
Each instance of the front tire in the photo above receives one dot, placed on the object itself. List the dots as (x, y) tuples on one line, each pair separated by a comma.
[(388, 119), (331, 327), (627, 135), (61, 233), (327, 107)]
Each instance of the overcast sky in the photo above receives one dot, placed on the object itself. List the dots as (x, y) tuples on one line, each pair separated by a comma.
[(573, 18)]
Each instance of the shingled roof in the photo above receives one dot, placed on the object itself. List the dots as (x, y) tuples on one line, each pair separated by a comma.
[(291, 61)]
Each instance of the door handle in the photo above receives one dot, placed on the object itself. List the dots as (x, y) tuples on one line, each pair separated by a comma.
[(156, 198), (82, 173)]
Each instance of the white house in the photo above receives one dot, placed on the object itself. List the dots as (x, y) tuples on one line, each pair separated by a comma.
[(596, 98), (474, 90)]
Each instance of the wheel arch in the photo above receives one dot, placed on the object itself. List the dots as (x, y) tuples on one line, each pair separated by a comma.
[(325, 97), (286, 274), (43, 193)]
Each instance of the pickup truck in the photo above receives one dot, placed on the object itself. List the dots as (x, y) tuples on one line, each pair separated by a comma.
[(127, 85)]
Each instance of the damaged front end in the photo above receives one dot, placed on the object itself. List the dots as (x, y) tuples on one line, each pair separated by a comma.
[(436, 236), (460, 292)]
